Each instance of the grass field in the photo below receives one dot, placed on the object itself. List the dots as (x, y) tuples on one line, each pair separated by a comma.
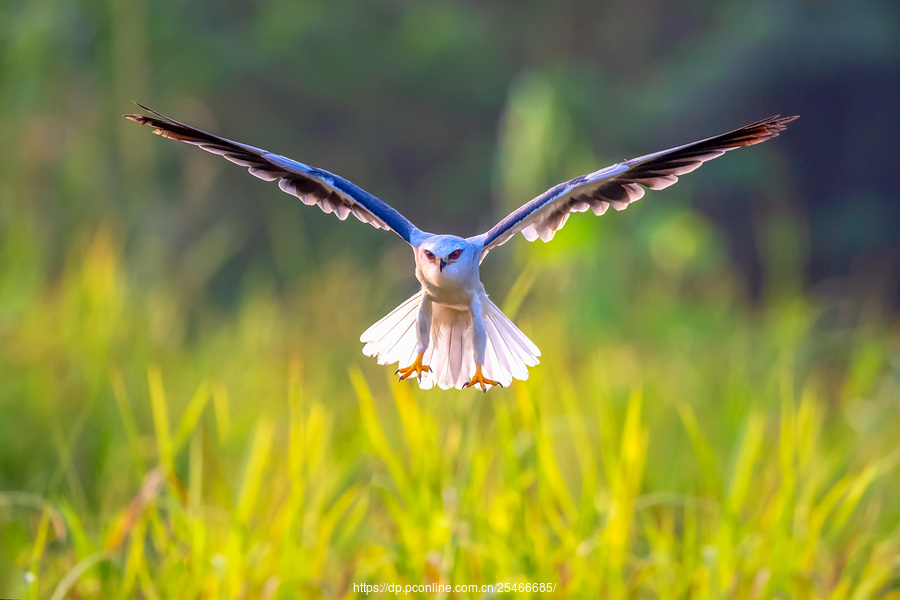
[(676, 441), (184, 408)]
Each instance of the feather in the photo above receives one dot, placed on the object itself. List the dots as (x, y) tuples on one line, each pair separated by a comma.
[(621, 184), (440, 339), (376, 332), (394, 336), (450, 354), (457, 331), (333, 194), (496, 365)]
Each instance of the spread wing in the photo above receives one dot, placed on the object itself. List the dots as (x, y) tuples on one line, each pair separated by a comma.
[(620, 184), (331, 193)]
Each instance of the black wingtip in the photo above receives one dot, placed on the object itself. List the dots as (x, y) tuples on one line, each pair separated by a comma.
[(778, 123), (149, 110), (142, 119), (158, 120)]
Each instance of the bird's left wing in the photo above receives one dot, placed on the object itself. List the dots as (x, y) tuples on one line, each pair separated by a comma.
[(311, 185), (620, 184)]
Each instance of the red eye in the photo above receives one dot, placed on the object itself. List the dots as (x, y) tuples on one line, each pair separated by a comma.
[(429, 255), (455, 254)]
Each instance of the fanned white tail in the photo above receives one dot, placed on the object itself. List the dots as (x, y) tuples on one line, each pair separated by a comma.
[(450, 354)]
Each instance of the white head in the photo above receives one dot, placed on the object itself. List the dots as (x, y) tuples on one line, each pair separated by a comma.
[(446, 257)]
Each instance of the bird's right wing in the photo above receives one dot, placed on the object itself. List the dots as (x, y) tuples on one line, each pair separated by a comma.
[(311, 185)]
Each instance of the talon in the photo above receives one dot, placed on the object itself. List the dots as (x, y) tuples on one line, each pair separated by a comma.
[(479, 378), (417, 367)]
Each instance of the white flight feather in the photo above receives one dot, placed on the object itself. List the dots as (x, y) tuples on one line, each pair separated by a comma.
[(450, 353)]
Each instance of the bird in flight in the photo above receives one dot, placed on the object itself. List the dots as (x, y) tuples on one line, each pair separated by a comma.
[(450, 334)]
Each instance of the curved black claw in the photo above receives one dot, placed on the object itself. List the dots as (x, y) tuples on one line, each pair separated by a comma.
[(417, 367), (479, 378)]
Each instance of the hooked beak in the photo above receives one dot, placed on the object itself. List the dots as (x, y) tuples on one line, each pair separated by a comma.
[(443, 264)]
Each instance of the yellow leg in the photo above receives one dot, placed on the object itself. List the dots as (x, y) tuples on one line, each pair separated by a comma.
[(417, 367), (477, 378)]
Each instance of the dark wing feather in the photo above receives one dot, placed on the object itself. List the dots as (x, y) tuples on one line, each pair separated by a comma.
[(620, 184), (311, 185)]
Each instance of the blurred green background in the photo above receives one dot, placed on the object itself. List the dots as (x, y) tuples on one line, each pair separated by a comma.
[(184, 408)]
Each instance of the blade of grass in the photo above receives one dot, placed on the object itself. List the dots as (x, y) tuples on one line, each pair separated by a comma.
[(253, 473), (191, 415), (160, 417), (376, 437)]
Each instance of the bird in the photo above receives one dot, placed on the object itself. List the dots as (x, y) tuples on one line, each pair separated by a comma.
[(450, 333)]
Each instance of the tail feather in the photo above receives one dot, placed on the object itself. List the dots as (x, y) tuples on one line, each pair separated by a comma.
[(450, 353), (512, 334), (439, 346), (379, 330), (393, 341), (451, 337), (505, 348), (496, 360), (455, 355), (386, 338), (494, 364), (516, 345)]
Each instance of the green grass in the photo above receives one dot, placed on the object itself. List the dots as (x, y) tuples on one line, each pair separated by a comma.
[(184, 408), (674, 443)]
